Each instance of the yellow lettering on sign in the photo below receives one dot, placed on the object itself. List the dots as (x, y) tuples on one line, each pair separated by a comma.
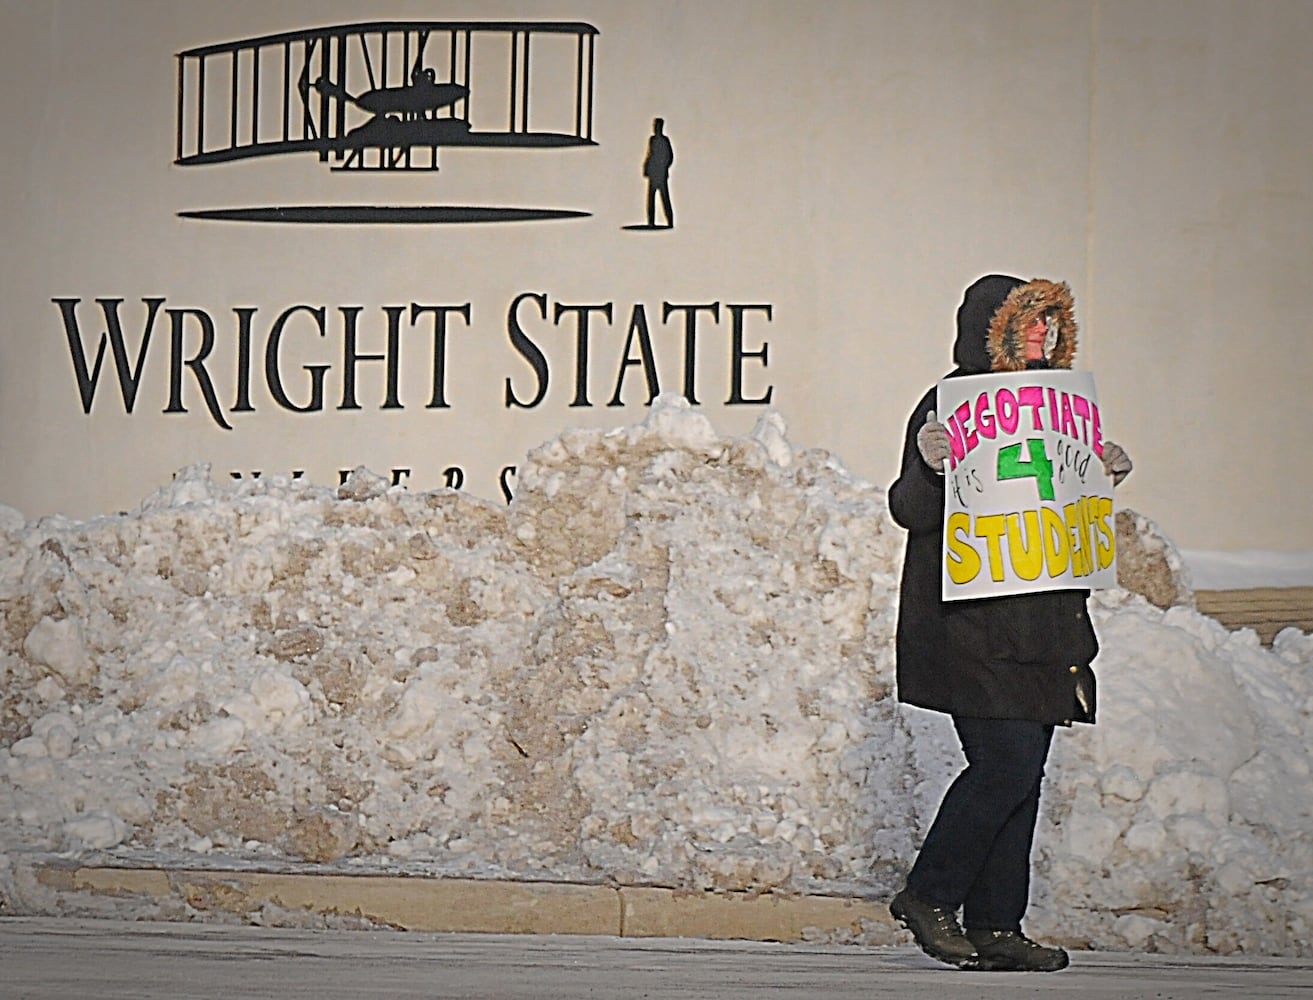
[(963, 560), (1075, 541), (990, 527), (1057, 554), (1026, 556), (1107, 534)]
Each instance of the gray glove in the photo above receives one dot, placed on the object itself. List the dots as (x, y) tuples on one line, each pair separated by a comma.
[(1116, 463), (932, 442)]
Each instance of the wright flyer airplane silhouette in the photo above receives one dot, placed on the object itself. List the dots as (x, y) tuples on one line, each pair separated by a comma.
[(387, 95)]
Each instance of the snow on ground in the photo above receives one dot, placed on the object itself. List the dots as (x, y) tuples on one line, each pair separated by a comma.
[(1247, 569), (668, 662)]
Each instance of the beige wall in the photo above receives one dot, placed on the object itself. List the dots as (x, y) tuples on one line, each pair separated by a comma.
[(852, 164), (1201, 214)]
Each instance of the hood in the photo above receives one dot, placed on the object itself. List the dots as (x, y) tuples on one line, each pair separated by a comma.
[(1006, 340), (996, 309), (979, 303)]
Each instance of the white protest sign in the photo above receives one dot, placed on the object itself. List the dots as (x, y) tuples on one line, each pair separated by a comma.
[(1027, 504)]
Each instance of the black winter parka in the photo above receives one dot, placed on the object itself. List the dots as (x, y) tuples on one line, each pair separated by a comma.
[(1024, 656)]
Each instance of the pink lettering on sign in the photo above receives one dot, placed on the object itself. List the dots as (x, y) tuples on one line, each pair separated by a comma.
[(1000, 412), (1031, 397), (1068, 421), (962, 437), (984, 418), (1082, 407), (956, 442), (1009, 412)]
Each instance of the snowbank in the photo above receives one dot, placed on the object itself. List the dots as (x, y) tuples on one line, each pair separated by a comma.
[(1248, 569), (668, 662)]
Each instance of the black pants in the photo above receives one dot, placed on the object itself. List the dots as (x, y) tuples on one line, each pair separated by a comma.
[(977, 853)]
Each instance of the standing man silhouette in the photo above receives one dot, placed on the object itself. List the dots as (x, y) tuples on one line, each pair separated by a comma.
[(656, 168)]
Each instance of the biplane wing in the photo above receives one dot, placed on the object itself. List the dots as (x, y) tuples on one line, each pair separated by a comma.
[(379, 95)]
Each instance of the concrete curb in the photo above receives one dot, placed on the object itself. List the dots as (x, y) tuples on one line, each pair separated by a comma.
[(474, 905)]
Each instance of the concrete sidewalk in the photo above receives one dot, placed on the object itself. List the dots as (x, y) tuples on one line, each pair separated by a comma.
[(63, 959)]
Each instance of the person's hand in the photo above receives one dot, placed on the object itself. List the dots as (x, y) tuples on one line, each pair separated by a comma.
[(1116, 463), (932, 442)]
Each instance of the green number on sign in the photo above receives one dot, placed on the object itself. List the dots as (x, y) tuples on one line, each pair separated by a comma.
[(1036, 466)]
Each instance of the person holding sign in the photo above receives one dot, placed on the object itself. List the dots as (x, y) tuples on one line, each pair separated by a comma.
[(1006, 668)]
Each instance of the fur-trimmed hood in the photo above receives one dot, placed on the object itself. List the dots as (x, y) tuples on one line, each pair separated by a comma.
[(1006, 339), (994, 314)]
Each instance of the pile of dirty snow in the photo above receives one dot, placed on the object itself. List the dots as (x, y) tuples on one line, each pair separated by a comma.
[(668, 662)]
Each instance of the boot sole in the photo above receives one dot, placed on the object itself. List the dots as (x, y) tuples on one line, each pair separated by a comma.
[(1004, 965)]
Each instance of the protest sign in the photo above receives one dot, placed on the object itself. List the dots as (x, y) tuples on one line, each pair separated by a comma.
[(1027, 504)]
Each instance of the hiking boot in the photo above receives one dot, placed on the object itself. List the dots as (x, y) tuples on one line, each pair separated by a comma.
[(936, 930), (1012, 951)]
